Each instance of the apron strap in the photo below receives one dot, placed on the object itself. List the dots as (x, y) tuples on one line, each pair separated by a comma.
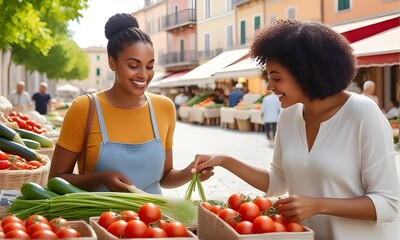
[(152, 117), (103, 129)]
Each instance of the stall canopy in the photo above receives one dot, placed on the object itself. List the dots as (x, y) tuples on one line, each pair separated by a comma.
[(359, 30), (203, 74), (244, 68), (382, 49), (171, 80)]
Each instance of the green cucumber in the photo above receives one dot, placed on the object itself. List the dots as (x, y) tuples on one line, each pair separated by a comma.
[(34, 191), (9, 134), (44, 141), (32, 144), (61, 186), (18, 149)]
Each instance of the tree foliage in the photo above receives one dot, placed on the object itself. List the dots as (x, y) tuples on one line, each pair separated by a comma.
[(36, 32)]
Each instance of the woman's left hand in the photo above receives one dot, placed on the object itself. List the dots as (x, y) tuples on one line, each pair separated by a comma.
[(296, 208)]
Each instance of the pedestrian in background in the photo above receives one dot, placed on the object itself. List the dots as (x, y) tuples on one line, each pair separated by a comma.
[(41, 99), (369, 91), (334, 154), (236, 95), (131, 135), (270, 109), (394, 110), (19, 97)]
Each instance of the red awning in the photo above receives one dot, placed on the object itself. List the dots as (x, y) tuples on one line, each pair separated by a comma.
[(359, 30)]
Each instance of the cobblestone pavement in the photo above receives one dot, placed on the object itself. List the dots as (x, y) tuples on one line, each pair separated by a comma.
[(251, 147)]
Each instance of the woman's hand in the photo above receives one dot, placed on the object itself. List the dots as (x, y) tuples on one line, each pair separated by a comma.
[(115, 181), (296, 208), (204, 164)]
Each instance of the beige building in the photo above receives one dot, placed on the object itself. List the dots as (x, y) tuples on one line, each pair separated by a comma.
[(293, 9)]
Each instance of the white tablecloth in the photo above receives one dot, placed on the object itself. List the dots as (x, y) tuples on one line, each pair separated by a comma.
[(256, 116), (212, 113), (242, 114), (227, 115), (184, 112), (197, 115)]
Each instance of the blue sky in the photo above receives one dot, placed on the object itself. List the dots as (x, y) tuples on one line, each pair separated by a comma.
[(90, 29)]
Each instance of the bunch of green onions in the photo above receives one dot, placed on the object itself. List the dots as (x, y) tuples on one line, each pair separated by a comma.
[(192, 187), (83, 205)]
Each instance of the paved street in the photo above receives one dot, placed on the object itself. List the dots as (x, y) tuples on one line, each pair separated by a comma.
[(251, 147)]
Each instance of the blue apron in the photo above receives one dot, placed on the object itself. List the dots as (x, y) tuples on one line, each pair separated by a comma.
[(142, 163)]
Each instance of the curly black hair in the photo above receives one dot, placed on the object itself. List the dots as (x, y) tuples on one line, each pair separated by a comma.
[(321, 60), (122, 30)]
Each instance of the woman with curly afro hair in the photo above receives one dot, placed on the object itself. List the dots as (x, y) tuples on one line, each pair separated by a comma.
[(334, 158)]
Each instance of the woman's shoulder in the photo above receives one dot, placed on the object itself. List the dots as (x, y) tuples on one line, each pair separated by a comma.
[(158, 99)]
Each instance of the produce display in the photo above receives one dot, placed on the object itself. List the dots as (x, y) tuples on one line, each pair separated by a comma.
[(25, 122), (146, 223), (36, 227), (252, 215), (60, 198)]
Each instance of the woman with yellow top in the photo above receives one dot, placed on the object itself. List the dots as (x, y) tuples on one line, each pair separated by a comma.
[(131, 134)]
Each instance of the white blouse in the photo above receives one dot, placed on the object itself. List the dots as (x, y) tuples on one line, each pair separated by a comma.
[(353, 155)]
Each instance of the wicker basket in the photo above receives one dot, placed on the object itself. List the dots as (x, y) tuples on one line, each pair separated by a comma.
[(104, 235), (211, 227), (86, 231), (46, 151), (12, 179)]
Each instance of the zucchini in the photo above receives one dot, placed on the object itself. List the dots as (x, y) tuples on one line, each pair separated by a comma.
[(34, 191), (61, 186), (32, 144), (18, 149), (44, 141), (10, 134)]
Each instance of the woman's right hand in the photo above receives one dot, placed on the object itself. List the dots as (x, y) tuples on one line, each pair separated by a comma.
[(114, 181), (207, 161)]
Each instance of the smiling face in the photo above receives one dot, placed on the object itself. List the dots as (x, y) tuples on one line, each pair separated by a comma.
[(134, 68), (283, 84)]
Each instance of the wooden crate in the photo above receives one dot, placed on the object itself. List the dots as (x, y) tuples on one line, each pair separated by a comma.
[(211, 227), (86, 231), (104, 235)]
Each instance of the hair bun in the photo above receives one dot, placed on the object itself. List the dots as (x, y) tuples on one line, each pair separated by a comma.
[(118, 22)]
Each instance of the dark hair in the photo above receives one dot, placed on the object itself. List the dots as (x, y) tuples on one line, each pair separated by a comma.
[(395, 103), (122, 30), (320, 59)]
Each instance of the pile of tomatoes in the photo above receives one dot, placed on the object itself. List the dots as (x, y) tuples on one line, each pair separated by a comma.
[(25, 122), (36, 227), (252, 216), (146, 223), (15, 162)]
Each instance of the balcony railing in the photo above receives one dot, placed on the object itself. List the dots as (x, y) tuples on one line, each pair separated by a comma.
[(178, 19), (176, 58)]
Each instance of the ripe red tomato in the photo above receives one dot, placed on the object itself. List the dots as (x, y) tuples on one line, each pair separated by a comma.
[(4, 164), (13, 226), (12, 114), (44, 234), (128, 215), (235, 200), (154, 232), (279, 218), (135, 229), (57, 224), (216, 209), (294, 227), (68, 233), (106, 218), (3, 155), (149, 213), (34, 219), (229, 216), (263, 224), (263, 203), (17, 234), (279, 227), (117, 228), (162, 224), (244, 227), (10, 218), (34, 227), (176, 229), (206, 205), (249, 211)]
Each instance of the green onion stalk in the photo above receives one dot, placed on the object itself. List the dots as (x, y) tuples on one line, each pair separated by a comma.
[(192, 187), (83, 205)]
